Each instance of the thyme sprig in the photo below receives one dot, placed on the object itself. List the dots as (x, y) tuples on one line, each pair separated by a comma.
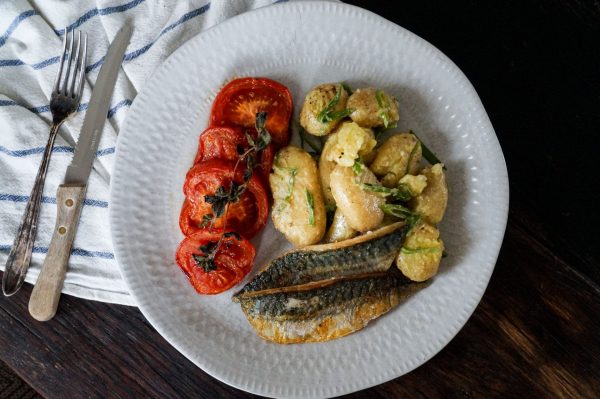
[(222, 197)]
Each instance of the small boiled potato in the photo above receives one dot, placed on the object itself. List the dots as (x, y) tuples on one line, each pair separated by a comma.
[(326, 167), (415, 184), (316, 101), (339, 229), (298, 208), (352, 142), (419, 258), (368, 112), (432, 202), (361, 209), (398, 155)]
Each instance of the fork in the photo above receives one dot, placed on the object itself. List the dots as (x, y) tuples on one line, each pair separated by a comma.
[(64, 100)]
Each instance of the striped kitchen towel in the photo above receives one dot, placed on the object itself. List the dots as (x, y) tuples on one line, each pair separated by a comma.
[(31, 35)]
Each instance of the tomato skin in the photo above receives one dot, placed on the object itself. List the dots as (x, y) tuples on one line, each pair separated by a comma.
[(233, 261), (247, 216), (186, 224), (220, 142), (239, 101)]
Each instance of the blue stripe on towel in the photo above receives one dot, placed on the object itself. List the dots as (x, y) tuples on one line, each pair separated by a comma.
[(74, 251), (55, 149), (50, 200)]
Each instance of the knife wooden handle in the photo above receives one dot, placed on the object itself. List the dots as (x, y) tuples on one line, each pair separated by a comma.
[(46, 292)]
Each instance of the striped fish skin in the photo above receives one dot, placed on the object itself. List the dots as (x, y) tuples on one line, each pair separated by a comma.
[(374, 252), (323, 292), (326, 313)]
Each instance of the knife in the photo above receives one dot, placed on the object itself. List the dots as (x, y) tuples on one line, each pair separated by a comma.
[(71, 194)]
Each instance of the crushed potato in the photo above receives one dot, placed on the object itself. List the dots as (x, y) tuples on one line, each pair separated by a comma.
[(420, 256), (352, 142), (431, 203)]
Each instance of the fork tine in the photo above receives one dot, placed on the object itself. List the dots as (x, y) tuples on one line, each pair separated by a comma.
[(82, 67), (61, 62), (64, 85), (77, 56)]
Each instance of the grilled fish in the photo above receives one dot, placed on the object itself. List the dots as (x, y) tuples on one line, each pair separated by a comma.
[(323, 292)]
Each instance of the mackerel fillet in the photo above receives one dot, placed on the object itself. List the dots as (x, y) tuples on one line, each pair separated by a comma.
[(322, 292)]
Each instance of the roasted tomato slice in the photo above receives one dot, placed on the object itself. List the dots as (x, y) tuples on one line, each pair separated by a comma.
[(241, 99), (228, 143), (247, 215), (232, 260)]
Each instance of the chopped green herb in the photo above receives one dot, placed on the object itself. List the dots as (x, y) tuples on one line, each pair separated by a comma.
[(292, 178), (419, 250), (328, 114), (444, 254), (206, 219), (427, 153), (311, 208), (384, 109), (358, 166), (402, 193), (397, 210)]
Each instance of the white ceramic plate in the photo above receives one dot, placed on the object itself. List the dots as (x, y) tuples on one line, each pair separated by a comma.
[(303, 44)]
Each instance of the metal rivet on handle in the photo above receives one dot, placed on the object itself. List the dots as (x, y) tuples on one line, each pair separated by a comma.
[(62, 230), (69, 202)]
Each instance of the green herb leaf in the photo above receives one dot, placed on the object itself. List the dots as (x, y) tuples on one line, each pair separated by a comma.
[(311, 208), (419, 250), (397, 210), (384, 108), (402, 193), (291, 180), (427, 153), (206, 219), (444, 254), (357, 167), (206, 260), (328, 113)]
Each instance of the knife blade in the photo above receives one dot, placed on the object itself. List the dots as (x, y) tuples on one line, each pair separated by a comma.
[(79, 170), (71, 194)]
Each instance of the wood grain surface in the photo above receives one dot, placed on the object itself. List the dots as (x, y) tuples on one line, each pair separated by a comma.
[(536, 66)]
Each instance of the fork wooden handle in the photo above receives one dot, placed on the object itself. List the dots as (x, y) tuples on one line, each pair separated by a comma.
[(46, 293)]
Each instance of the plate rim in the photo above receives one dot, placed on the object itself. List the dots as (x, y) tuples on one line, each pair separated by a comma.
[(500, 169)]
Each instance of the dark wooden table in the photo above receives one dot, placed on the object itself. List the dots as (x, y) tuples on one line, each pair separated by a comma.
[(536, 333)]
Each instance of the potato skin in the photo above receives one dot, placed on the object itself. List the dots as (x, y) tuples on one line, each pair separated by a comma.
[(291, 210), (339, 229), (315, 101), (361, 209), (366, 108), (421, 253), (398, 155), (431, 203)]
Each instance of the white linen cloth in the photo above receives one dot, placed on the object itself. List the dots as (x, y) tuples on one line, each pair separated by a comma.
[(31, 35)]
